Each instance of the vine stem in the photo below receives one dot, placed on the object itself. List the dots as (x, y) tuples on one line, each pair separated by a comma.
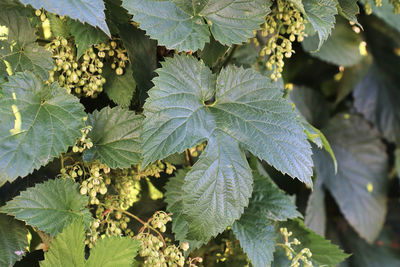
[(145, 224)]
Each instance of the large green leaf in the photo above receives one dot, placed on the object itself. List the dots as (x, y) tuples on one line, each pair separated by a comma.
[(321, 15), (119, 88), (49, 206), (90, 11), (255, 230), (174, 198), (248, 110), (21, 51), (37, 123), (68, 249), (181, 24), (143, 56), (14, 240), (115, 136), (324, 253), (85, 35), (376, 97), (341, 48), (359, 187)]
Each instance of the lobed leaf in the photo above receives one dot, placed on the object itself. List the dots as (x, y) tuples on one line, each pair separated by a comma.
[(248, 112), (31, 112), (49, 206), (182, 25)]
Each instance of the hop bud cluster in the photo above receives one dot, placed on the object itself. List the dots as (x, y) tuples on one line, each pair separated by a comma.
[(303, 256), (83, 142), (95, 184), (284, 25), (194, 151), (41, 14), (153, 249), (83, 76), (154, 170)]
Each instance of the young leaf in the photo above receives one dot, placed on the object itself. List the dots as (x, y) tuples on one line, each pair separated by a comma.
[(115, 136), (255, 230), (90, 11), (49, 206), (324, 253), (341, 47), (13, 240), (376, 97), (359, 187), (321, 15), (181, 24), (85, 36), (119, 88), (68, 249), (37, 123), (248, 110), (20, 50)]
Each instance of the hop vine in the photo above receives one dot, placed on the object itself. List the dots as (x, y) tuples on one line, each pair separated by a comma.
[(283, 26)]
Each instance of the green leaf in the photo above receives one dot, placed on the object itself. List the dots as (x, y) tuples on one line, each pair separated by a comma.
[(256, 237), (14, 240), (90, 11), (260, 120), (349, 9), (341, 48), (116, 15), (85, 36), (176, 105), (223, 182), (181, 24), (324, 253), (119, 88), (58, 26), (116, 137), (359, 187), (255, 230), (143, 56), (113, 251), (68, 249), (31, 112), (321, 15), (49, 206), (174, 198), (376, 98), (21, 51), (315, 218)]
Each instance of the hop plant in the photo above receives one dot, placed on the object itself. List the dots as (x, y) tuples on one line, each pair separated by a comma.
[(284, 25)]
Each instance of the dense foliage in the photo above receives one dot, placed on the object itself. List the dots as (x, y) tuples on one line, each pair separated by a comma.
[(199, 133)]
